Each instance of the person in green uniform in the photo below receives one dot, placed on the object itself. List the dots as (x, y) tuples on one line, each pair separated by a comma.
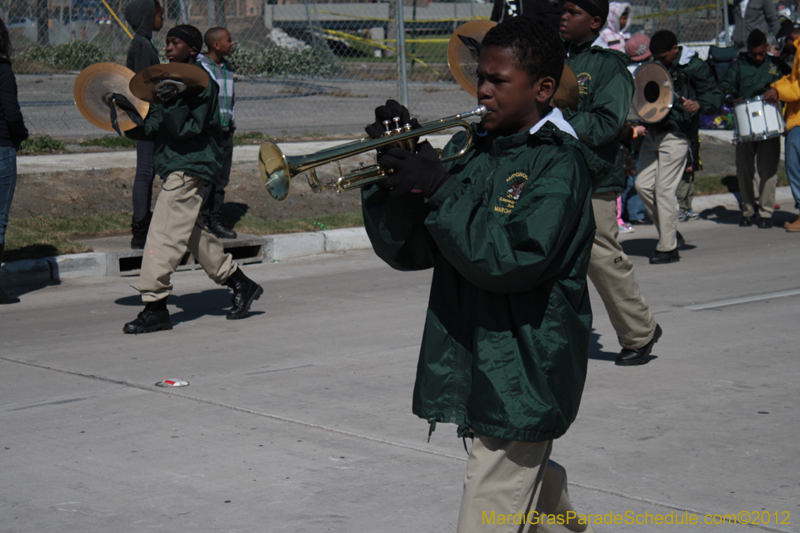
[(606, 90), (186, 132), (665, 152), (508, 231), (749, 77)]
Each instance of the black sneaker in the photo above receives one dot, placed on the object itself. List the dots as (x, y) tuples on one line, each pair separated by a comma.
[(765, 223), (662, 258), (638, 356), (680, 239), (155, 317), (746, 221)]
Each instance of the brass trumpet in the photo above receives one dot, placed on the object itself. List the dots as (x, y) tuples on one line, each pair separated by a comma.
[(277, 169)]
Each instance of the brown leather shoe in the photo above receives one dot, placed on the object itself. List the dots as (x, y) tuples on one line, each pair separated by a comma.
[(794, 226)]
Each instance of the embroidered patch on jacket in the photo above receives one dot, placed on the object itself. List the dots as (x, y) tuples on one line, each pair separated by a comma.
[(617, 260), (516, 182), (583, 83)]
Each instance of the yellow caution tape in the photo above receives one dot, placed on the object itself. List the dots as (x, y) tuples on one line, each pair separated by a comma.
[(665, 14), (393, 20), (123, 26), (376, 44)]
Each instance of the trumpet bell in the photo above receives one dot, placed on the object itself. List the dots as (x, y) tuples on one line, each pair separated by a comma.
[(653, 93), (274, 170), (94, 84)]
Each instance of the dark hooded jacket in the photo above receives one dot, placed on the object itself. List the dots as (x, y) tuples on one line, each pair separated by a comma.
[(509, 236), (141, 14), (12, 127)]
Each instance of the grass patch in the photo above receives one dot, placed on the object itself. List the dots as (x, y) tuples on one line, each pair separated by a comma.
[(251, 137), (41, 145), (722, 184), (258, 226), (36, 237), (118, 141)]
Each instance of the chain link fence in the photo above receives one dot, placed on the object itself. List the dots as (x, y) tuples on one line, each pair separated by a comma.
[(302, 68)]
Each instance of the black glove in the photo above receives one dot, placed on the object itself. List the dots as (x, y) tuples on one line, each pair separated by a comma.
[(420, 172), (125, 105), (388, 112), (168, 90)]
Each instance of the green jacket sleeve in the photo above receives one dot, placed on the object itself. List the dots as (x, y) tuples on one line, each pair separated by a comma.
[(730, 82), (513, 253), (187, 117), (152, 124), (396, 228), (599, 121), (709, 96)]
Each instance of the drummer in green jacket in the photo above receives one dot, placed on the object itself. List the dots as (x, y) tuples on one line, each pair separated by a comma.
[(508, 231), (749, 77), (666, 149)]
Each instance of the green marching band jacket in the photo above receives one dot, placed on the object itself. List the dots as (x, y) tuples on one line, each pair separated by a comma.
[(509, 235), (746, 80), (606, 91), (187, 134), (692, 79)]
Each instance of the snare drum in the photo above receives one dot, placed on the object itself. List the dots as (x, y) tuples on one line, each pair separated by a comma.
[(756, 120)]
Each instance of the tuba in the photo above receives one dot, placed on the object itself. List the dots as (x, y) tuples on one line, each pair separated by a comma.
[(653, 93)]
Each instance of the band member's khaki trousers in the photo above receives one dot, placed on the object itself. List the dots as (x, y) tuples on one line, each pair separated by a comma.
[(518, 481), (763, 155), (177, 226), (612, 274), (661, 164)]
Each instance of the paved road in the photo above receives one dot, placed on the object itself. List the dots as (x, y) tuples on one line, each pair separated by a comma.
[(298, 419)]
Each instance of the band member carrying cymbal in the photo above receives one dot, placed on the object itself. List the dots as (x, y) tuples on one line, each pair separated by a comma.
[(606, 91), (184, 124)]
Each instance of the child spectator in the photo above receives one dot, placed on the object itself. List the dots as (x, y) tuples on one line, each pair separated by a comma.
[(220, 46), (508, 230), (618, 24), (145, 17), (748, 77), (186, 132), (632, 208)]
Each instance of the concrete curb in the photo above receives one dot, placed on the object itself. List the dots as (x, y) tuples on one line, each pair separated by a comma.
[(87, 265)]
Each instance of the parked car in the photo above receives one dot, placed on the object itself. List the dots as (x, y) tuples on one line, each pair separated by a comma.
[(25, 22), (102, 20)]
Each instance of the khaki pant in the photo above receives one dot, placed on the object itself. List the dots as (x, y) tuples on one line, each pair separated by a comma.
[(177, 226), (612, 274), (510, 478), (662, 161), (763, 155)]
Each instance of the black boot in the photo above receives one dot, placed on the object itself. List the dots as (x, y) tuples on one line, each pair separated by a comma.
[(155, 317), (245, 292), (139, 230), (215, 227), (5, 298)]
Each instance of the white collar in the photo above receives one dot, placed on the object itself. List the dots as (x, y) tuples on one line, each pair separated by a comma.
[(556, 118)]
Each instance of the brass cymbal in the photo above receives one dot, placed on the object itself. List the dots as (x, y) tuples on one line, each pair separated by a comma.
[(97, 81), (567, 95), (463, 63), (143, 85)]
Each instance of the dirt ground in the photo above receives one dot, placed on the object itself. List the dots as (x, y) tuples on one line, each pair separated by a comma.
[(107, 191)]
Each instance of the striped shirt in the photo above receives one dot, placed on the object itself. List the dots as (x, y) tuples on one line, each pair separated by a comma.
[(223, 75)]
